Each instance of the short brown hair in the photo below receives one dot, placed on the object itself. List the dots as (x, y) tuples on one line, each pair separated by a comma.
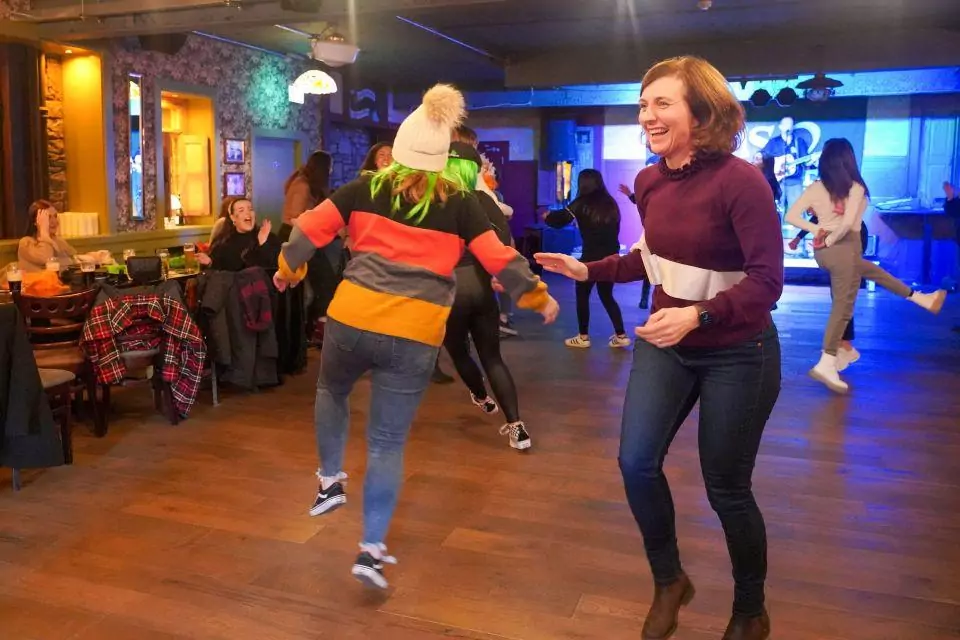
[(719, 116), (465, 134)]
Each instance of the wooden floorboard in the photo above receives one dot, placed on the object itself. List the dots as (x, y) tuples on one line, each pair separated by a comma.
[(200, 531)]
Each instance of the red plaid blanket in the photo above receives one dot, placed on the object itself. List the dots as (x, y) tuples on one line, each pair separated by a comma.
[(107, 333)]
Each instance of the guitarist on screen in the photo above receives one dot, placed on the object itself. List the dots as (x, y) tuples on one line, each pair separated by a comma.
[(786, 150)]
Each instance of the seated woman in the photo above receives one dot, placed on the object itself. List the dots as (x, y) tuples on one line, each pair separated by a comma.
[(42, 241), (237, 246), (222, 218)]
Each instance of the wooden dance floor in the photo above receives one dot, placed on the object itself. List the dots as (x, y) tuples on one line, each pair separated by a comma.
[(201, 531)]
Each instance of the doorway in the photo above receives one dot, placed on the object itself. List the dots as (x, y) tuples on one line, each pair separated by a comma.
[(274, 159)]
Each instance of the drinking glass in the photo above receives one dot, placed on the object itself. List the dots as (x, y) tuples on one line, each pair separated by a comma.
[(190, 257), (87, 267), (14, 277), (164, 256), (128, 253), (53, 264)]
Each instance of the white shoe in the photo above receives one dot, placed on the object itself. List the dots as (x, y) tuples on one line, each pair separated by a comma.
[(619, 342), (846, 357), (577, 342), (932, 302), (825, 371)]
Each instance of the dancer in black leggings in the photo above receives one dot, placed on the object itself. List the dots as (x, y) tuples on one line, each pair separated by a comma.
[(475, 315), (598, 217)]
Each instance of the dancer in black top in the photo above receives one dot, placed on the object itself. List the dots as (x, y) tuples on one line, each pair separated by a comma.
[(475, 314), (598, 217)]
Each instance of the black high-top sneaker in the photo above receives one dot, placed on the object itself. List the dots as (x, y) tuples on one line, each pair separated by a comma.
[(519, 438), (369, 569)]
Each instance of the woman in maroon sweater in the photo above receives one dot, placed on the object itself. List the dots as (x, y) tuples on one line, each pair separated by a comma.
[(712, 248)]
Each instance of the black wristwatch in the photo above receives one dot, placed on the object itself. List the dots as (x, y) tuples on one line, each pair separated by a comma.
[(705, 318)]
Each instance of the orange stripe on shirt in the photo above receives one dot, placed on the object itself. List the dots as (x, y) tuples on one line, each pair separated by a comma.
[(436, 251), (321, 223), (492, 254)]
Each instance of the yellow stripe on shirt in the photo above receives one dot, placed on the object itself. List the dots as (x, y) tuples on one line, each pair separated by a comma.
[(389, 314)]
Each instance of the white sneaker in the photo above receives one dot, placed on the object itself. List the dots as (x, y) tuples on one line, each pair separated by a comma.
[(825, 371), (846, 357), (932, 302), (577, 342), (619, 342)]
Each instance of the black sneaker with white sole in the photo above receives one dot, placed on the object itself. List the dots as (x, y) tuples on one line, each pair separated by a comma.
[(369, 570), (329, 499), (519, 438)]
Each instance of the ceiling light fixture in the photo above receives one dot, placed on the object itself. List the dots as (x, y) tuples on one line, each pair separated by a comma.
[(704, 5), (332, 49)]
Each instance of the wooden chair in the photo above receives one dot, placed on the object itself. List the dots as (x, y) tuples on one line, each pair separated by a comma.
[(55, 325), (58, 385)]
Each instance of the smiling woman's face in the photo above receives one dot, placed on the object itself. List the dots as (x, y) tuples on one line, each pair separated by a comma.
[(243, 216), (384, 157), (667, 120)]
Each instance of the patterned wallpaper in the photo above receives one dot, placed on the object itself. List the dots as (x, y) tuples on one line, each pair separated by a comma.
[(251, 93), (9, 6)]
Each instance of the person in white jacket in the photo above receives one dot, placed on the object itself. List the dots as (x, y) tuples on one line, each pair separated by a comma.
[(839, 199)]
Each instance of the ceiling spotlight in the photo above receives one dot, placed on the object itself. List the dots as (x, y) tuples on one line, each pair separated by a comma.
[(704, 5), (786, 97), (760, 98), (68, 51)]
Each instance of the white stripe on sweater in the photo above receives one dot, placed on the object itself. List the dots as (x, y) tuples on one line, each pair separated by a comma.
[(683, 281)]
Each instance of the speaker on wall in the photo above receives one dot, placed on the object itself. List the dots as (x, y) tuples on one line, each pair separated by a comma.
[(560, 142), (168, 43)]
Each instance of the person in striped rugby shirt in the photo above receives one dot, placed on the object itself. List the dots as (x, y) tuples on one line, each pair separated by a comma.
[(409, 224)]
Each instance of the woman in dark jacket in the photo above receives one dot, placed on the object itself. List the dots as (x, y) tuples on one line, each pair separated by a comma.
[(598, 217), (240, 245)]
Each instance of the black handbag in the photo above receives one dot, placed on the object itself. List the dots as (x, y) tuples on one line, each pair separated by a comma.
[(142, 270)]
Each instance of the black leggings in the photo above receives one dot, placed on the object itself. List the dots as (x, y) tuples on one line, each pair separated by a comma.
[(475, 314), (605, 291)]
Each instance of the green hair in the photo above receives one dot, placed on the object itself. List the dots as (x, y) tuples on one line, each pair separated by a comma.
[(440, 184), (463, 173)]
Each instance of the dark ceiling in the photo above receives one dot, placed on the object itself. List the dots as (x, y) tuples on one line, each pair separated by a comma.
[(546, 43)]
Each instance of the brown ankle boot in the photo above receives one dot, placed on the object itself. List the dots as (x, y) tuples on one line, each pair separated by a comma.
[(662, 618), (744, 628)]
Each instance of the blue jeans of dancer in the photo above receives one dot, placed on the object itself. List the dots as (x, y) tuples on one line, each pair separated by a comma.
[(400, 374), (737, 387)]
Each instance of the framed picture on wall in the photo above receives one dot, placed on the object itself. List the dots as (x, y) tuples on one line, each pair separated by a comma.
[(234, 184), (234, 151)]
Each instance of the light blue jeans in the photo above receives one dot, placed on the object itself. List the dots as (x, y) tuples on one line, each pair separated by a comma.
[(401, 373)]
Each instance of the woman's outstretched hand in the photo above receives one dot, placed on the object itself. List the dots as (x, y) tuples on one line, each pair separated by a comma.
[(562, 264)]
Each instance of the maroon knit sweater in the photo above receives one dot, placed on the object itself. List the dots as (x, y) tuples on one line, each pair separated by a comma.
[(716, 214)]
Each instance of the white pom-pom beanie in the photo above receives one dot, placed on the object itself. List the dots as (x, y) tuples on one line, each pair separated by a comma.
[(423, 139)]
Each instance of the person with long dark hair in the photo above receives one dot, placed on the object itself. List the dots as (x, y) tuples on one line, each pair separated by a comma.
[(712, 248), (598, 218), (42, 240), (379, 156), (304, 189), (475, 314), (839, 199), (241, 243), (410, 223)]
